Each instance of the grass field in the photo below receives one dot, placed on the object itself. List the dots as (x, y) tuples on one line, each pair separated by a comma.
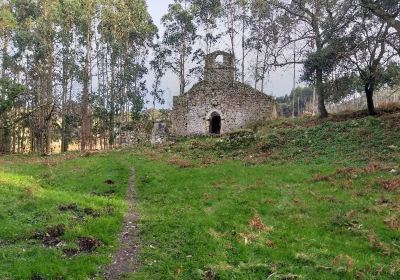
[(303, 200)]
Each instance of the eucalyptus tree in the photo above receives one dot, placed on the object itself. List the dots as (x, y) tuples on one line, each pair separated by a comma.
[(235, 19), (10, 91), (230, 20), (178, 39), (55, 48), (244, 18), (85, 26), (42, 34), (7, 23), (158, 67), (206, 14), (264, 35), (127, 30), (67, 20)]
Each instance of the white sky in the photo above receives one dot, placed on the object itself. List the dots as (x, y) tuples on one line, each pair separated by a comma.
[(280, 82)]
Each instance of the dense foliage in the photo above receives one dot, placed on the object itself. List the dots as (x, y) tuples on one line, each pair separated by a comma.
[(82, 64)]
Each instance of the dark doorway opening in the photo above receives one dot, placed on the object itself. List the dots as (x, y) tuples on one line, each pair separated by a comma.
[(215, 124)]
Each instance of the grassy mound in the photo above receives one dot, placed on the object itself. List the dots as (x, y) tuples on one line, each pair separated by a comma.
[(340, 139)]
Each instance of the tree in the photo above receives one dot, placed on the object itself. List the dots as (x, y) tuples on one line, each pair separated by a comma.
[(370, 55), (387, 10), (314, 23), (9, 92), (86, 18), (303, 97), (158, 66), (206, 13), (178, 39), (229, 18), (67, 19), (264, 37), (7, 23), (44, 31), (78, 61)]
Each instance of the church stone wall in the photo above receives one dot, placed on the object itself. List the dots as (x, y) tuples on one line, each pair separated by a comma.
[(219, 94), (237, 105)]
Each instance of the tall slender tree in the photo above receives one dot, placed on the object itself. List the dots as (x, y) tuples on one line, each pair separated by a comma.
[(178, 39)]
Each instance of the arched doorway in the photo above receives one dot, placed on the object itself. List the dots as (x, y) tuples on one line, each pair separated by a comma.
[(215, 124)]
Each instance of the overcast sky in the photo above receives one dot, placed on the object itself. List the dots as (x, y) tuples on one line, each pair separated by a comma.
[(280, 82)]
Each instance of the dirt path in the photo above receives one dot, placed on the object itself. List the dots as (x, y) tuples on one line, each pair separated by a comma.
[(125, 259)]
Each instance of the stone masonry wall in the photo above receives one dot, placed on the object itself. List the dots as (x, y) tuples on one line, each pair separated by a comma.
[(216, 72), (220, 95), (237, 104)]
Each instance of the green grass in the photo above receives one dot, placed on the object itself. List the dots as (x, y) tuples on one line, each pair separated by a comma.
[(319, 221), (197, 219), (31, 191)]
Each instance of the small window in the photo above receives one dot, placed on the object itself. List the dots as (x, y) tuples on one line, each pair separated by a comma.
[(219, 60)]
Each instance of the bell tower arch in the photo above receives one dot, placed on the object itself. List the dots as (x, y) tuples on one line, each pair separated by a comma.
[(219, 67)]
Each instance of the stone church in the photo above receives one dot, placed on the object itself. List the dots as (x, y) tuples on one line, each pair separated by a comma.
[(219, 104)]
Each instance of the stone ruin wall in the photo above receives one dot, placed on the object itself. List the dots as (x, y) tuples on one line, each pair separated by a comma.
[(219, 94), (219, 72), (238, 105)]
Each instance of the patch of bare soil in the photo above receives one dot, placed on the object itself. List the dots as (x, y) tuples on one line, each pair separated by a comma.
[(391, 185), (78, 211), (68, 207), (52, 235), (70, 252), (125, 259), (88, 244), (109, 182)]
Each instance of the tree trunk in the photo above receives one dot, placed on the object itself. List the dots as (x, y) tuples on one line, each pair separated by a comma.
[(50, 109), (85, 128), (5, 140), (256, 69), (182, 70), (264, 71), (369, 92), (323, 113), (4, 133), (231, 28), (112, 105), (243, 45), (64, 86), (1, 141), (5, 54), (181, 76)]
